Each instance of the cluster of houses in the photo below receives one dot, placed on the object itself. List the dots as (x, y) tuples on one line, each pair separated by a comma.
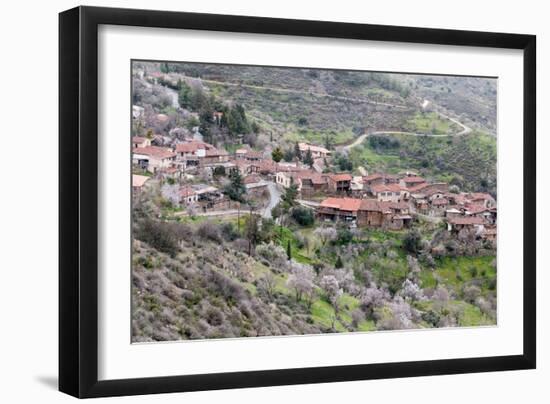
[(378, 200), (390, 201)]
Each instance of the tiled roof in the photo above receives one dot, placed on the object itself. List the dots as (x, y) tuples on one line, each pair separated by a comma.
[(418, 188), (413, 180), (386, 188), (340, 177), (372, 177), (213, 152), (155, 151), (347, 204), (193, 146)]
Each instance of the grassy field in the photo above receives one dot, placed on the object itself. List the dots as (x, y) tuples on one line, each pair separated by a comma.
[(468, 161), (431, 123), (319, 137)]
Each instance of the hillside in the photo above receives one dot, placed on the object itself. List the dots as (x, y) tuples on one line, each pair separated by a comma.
[(204, 284)]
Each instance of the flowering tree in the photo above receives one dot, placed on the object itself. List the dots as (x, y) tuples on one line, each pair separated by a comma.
[(411, 291), (332, 290), (301, 280), (326, 234)]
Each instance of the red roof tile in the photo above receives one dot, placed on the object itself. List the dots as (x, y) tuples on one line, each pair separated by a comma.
[(413, 180), (340, 177), (347, 204), (155, 151)]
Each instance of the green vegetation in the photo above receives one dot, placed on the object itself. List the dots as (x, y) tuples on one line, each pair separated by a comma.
[(431, 123), (467, 161)]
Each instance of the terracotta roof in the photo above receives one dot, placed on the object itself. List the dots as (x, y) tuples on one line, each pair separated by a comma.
[(191, 147), (340, 177), (267, 165), (138, 180), (418, 187), (385, 188), (475, 208), (155, 151), (371, 205), (347, 204), (466, 220), (372, 177), (413, 180), (374, 205), (213, 152), (481, 196)]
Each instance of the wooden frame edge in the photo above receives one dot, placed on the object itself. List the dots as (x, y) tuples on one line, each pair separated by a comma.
[(78, 291)]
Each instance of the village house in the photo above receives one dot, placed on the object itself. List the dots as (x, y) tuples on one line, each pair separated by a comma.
[(337, 209), (339, 183), (191, 153), (456, 224), (488, 214), (386, 192), (138, 181), (378, 179), (214, 155), (316, 151), (411, 181), (188, 196), (209, 197), (242, 166), (366, 212), (482, 198), (387, 215), (139, 141), (153, 158), (438, 206)]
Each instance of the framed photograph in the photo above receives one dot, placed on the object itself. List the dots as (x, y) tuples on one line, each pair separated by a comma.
[(251, 201)]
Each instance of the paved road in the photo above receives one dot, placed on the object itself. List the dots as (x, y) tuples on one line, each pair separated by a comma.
[(465, 130), (274, 198)]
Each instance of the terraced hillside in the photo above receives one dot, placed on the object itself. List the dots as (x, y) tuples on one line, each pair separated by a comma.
[(468, 161)]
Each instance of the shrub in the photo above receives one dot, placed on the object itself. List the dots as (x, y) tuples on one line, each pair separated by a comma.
[(303, 216), (209, 231), (412, 241), (228, 231), (158, 235)]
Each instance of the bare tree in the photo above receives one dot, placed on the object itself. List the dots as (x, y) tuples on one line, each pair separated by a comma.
[(268, 283)]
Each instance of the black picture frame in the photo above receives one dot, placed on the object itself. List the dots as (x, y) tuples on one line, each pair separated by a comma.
[(78, 201)]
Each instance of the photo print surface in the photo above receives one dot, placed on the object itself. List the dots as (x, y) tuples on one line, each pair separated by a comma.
[(275, 201)]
